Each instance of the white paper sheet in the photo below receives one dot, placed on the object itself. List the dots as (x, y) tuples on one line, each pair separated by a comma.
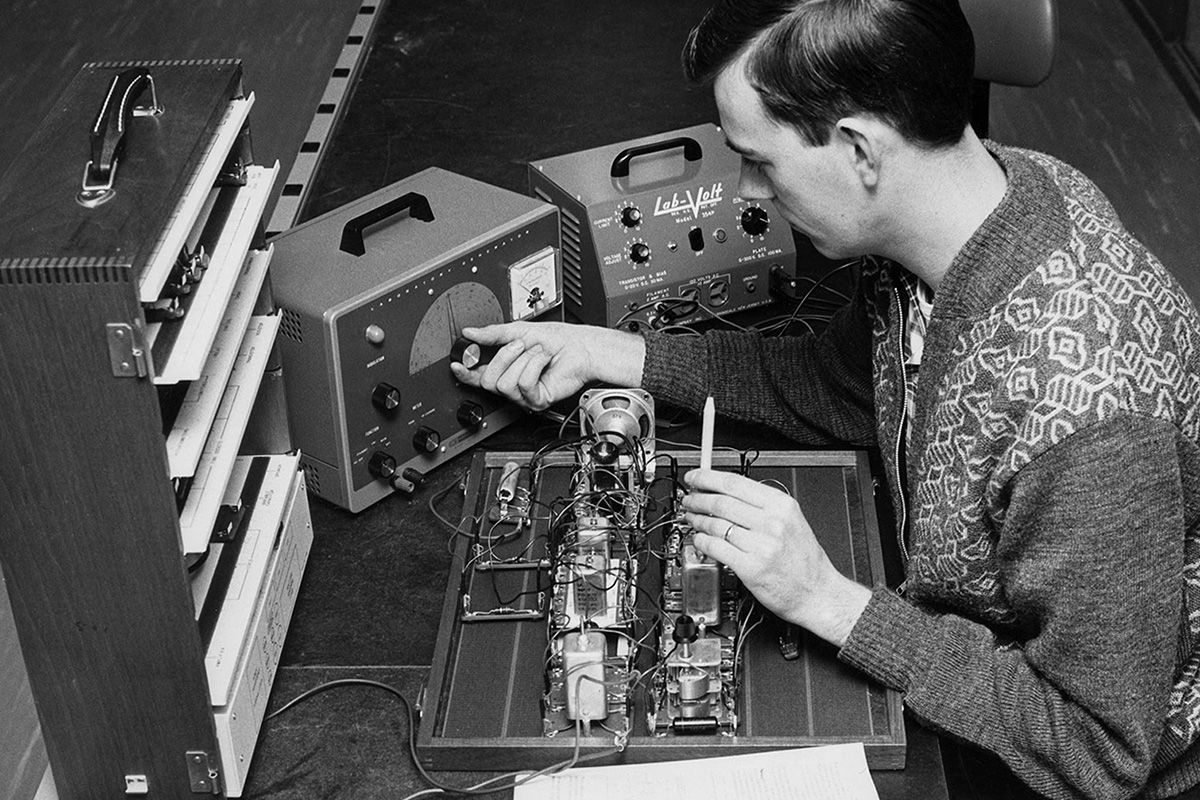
[(811, 773)]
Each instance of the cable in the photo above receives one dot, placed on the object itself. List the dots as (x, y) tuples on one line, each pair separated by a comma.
[(437, 785)]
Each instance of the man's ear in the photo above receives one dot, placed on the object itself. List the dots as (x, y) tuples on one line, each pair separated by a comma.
[(865, 146)]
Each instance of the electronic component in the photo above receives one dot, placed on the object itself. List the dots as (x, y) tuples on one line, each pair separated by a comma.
[(595, 627), (699, 638), (526, 611), (374, 298), (653, 230)]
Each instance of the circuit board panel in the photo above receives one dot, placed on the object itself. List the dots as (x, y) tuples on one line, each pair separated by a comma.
[(485, 704)]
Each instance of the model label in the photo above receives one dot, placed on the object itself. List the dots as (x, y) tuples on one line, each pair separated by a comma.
[(695, 203)]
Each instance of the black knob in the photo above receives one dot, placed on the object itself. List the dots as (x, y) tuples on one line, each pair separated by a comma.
[(685, 631), (385, 397), (639, 253), (414, 476), (427, 440), (382, 465), (755, 220), (470, 414), (631, 216)]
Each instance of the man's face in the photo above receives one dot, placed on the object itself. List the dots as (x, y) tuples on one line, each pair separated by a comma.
[(815, 188)]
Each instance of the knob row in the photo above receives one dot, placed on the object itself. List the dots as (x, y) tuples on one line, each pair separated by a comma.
[(754, 220)]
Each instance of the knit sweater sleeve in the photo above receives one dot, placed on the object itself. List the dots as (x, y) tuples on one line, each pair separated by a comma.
[(1091, 550), (813, 389)]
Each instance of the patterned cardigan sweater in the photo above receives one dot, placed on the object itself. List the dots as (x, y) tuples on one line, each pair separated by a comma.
[(1049, 495)]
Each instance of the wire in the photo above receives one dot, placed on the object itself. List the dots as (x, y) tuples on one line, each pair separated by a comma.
[(517, 778)]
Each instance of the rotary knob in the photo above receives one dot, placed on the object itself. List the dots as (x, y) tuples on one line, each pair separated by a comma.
[(427, 440), (385, 397), (639, 253), (382, 465), (469, 414), (631, 216), (755, 220)]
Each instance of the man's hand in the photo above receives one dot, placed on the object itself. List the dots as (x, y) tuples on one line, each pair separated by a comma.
[(761, 534), (540, 363)]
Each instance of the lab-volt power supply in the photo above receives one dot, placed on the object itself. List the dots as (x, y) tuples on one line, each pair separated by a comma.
[(653, 231), (374, 298)]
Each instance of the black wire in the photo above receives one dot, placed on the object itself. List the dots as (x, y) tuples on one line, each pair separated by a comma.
[(411, 717)]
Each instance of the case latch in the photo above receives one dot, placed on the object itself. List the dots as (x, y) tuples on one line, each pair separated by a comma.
[(202, 773), (127, 350)]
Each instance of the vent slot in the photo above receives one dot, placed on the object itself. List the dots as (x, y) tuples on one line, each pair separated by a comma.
[(36, 271), (291, 325), (312, 477), (572, 258)]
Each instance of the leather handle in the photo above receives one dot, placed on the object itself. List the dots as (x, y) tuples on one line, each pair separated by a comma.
[(352, 231), (691, 151)]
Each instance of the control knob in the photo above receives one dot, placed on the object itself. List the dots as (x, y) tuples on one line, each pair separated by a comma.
[(631, 216), (427, 440), (755, 220), (385, 397), (469, 414), (639, 253), (382, 465)]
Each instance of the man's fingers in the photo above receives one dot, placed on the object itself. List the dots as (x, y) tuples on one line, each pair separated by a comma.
[(728, 483), (529, 382), (493, 334), (496, 370), (464, 375)]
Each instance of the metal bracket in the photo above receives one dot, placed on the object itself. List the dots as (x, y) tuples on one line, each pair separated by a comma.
[(127, 350), (203, 773)]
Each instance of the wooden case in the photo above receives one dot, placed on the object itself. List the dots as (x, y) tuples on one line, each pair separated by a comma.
[(90, 539)]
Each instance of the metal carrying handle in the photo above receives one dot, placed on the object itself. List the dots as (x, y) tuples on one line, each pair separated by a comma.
[(691, 152), (107, 134), (352, 231)]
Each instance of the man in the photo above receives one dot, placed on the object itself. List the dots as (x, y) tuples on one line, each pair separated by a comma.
[(1029, 372)]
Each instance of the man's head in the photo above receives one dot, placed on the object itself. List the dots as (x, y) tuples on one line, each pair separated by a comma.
[(908, 63)]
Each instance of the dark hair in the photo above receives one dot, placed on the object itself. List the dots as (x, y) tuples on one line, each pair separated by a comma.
[(908, 62)]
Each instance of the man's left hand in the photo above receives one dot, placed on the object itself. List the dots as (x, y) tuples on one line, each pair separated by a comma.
[(762, 535)]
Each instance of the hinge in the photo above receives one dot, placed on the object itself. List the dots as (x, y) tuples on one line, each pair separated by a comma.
[(203, 773), (127, 350)]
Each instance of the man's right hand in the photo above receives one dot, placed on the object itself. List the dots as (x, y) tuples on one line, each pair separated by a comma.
[(540, 363)]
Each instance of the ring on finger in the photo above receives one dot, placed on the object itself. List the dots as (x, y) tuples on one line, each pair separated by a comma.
[(729, 530)]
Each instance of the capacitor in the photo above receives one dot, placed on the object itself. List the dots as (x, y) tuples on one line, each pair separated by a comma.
[(508, 482), (694, 725)]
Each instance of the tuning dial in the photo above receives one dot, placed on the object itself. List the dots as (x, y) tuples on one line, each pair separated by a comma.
[(385, 397), (382, 465), (755, 220), (639, 253), (470, 414), (631, 216), (427, 440)]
